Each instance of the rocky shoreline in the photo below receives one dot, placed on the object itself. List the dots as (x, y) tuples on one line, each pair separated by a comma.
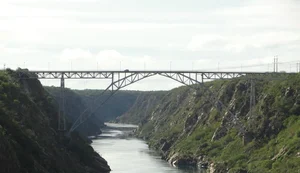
[(188, 129)]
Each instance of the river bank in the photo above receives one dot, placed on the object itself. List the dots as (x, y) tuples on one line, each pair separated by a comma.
[(128, 154)]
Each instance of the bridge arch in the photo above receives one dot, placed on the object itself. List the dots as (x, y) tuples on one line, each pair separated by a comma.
[(121, 79), (189, 80)]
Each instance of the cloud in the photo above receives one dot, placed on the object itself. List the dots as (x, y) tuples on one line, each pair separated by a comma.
[(17, 51), (112, 59), (257, 61), (75, 54), (110, 55), (238, 43), (109, 59), (82, 35), (206, 42)]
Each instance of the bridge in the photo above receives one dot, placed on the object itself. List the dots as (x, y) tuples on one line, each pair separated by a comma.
[(121, 79)]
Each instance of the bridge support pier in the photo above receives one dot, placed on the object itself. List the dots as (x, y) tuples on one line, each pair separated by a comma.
[(61, 113)]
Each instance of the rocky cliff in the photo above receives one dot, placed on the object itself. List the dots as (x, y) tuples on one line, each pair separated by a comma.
[(29, 141), (220, 129)]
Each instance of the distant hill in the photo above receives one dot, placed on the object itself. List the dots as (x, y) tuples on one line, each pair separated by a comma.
[(119, 104), (74, 106)]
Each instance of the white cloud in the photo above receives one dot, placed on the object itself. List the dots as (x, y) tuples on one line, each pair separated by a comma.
[(256, 61), (75, 54), (238, 43), (110, 55), (17, 51), (206, 42), (76, 34), (110, 59)]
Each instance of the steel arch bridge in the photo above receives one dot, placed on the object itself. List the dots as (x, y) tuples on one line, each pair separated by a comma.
[(121, 79)]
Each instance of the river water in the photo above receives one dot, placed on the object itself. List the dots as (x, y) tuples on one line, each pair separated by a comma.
[(127, 154)]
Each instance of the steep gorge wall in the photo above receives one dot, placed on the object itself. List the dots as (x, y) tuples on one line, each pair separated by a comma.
[(114, 107), (189, 127), (77, 101), (75, 105), (29, 140)]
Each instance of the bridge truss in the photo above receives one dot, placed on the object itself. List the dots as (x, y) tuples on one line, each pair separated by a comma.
[(121, 79)]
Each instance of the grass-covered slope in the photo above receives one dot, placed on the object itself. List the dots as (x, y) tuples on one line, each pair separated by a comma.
[(190, 127), (29, 141)]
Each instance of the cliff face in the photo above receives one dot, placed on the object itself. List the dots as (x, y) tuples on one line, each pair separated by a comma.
[(29, 139), (189, 127)]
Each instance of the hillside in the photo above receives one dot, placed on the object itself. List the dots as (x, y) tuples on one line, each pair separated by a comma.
[(119, 104), (188, 127), (30, 142), (114, 107), (146, 100), (74, 106)]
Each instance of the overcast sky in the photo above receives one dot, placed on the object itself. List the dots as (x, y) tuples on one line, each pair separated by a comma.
[(148, 34)]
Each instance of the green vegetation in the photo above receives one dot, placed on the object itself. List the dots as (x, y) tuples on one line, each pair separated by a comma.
[(147, 100), (185, 124), (74, 106), (29, 140), (118, 105), (115, 107)]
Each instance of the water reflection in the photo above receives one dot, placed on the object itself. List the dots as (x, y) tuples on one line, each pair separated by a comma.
[(131, 155)]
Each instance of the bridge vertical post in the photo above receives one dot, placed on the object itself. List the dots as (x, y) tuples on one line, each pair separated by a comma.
[(61, 115), (112, 81)]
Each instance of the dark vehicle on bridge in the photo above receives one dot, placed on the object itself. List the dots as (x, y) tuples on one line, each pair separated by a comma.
[(126, 70)]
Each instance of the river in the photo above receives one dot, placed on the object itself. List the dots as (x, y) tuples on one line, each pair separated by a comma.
[(127, 154)]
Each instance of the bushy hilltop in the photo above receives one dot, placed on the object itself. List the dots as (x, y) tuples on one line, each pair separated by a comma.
[(189, 127), (29, 141)]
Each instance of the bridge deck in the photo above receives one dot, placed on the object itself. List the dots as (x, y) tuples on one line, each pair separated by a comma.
[(152, 71), (108, 74), (121, 79)]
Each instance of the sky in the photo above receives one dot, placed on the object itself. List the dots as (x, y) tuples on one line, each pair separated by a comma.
[(231, 35)]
